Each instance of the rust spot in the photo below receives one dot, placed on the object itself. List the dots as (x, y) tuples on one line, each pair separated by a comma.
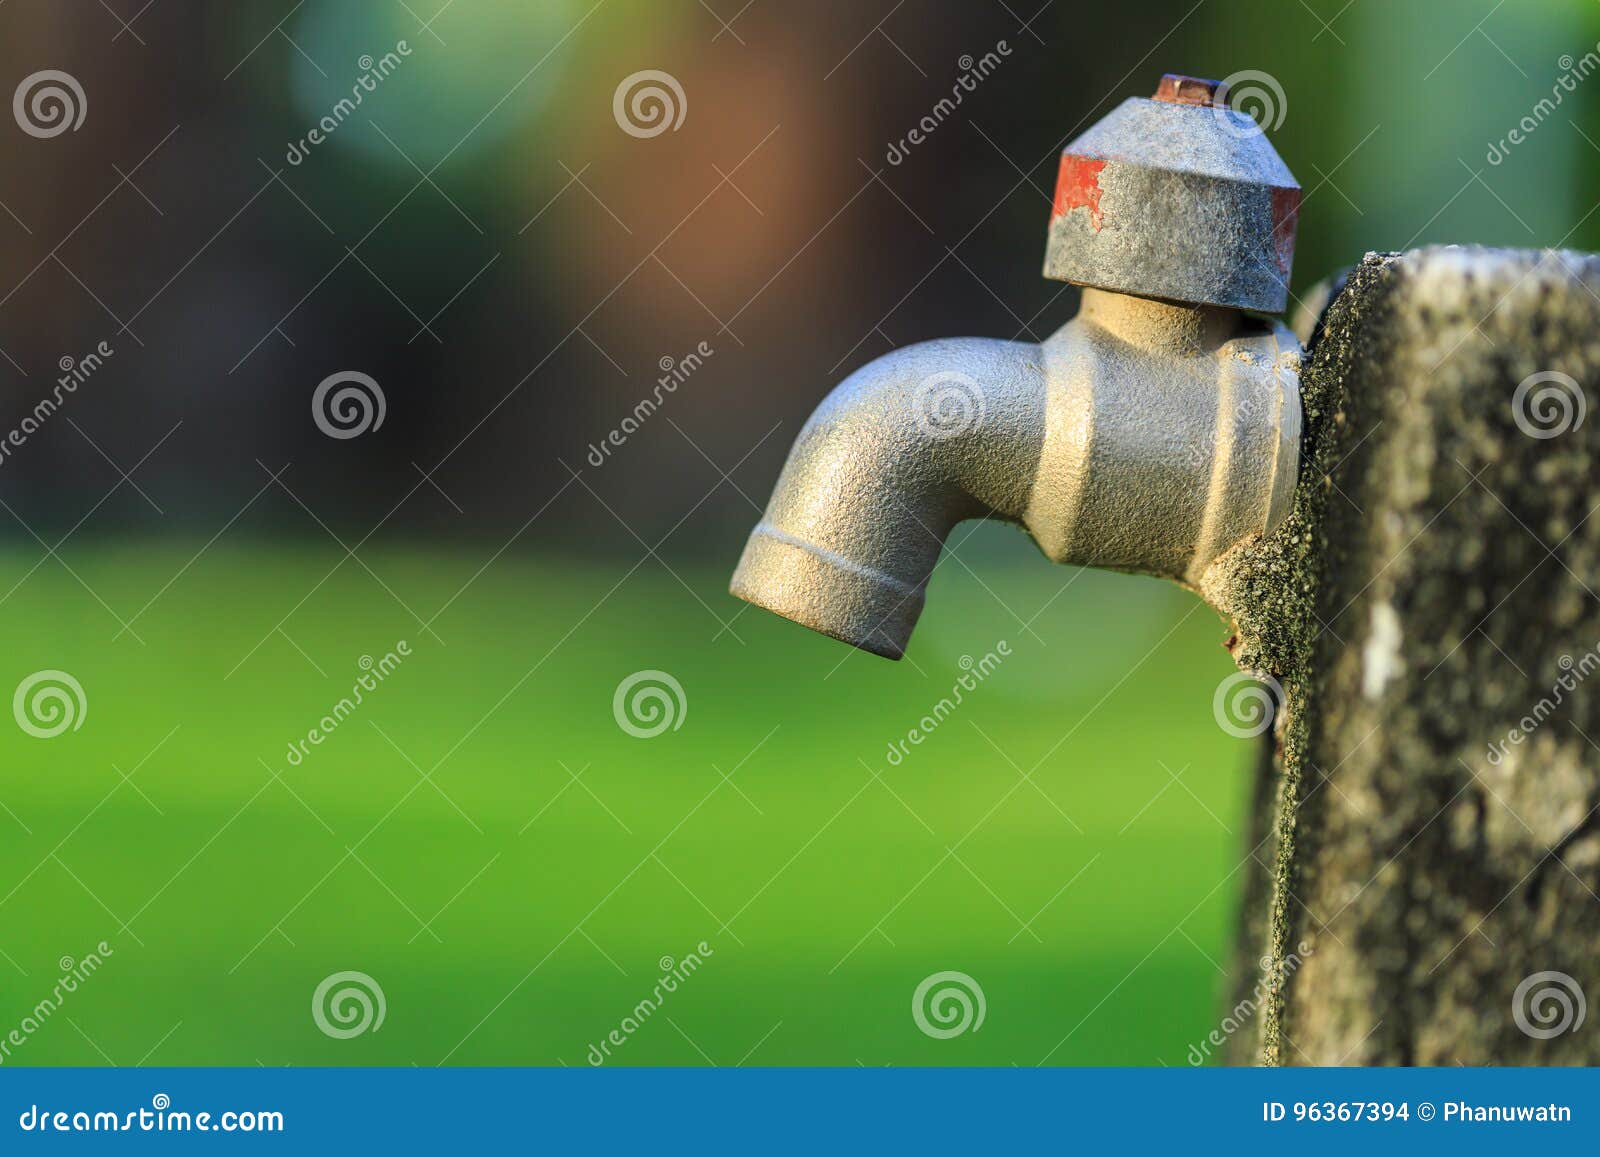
[(1285, 221), (1078, 187), (1177, 89)]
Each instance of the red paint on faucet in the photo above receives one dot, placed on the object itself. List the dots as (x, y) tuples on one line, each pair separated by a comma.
[(1078, 187), (1285, 221)]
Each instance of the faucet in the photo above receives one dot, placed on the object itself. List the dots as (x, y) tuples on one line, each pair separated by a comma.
[(1153, 433)]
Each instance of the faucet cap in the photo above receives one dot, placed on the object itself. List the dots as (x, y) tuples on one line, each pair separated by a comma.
[(1180, 197)]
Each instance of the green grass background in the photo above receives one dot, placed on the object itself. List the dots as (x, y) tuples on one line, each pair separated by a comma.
[(826, 895)]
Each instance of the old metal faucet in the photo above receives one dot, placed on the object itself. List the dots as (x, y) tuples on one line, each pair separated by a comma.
[(1153, 433)]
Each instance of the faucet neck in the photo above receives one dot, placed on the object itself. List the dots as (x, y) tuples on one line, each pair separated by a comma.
[(1148, 322)]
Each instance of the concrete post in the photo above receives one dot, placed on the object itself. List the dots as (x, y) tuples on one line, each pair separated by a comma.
[(1426, 873)]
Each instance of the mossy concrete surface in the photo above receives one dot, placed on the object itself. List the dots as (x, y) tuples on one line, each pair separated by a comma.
[(1427, 843)]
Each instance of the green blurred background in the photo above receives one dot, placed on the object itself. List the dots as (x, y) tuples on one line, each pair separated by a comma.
[(481, 837)]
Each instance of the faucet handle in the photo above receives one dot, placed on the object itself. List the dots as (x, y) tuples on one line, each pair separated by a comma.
[(1179, 197)]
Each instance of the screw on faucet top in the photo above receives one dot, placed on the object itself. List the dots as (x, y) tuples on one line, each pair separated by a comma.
[(1178, 89)]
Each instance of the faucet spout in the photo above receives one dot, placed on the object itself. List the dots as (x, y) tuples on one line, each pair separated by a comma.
[(896, 456), (1144, 436)]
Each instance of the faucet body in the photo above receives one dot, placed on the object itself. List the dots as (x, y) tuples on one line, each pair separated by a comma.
[(1143, 436), (1153, 433)]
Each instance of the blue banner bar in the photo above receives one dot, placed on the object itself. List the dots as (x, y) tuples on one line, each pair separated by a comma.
[(805, 1110)]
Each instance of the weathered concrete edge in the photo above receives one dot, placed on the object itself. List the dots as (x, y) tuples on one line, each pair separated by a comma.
[(1269, 588)]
